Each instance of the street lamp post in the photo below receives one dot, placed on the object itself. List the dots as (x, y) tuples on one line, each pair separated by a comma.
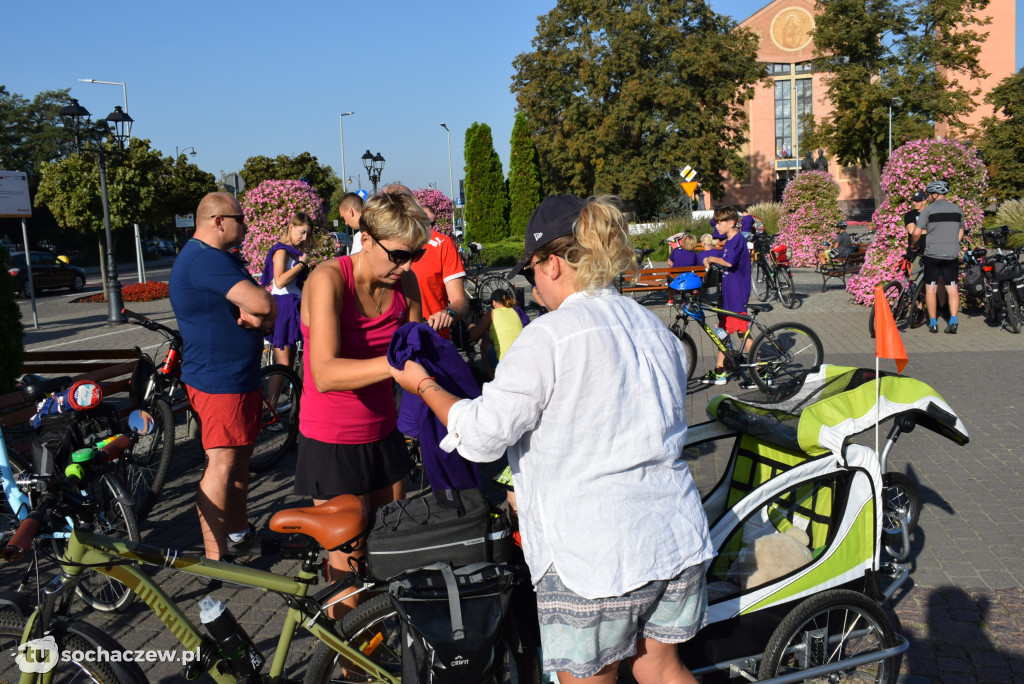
[(74, 115), (374, 164), (451, 179), (123, 88), (341, 130), (184, 150)]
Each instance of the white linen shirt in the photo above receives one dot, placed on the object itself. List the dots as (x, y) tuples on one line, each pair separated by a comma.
[(589, 401)]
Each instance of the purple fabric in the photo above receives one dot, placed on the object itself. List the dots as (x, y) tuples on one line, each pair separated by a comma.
[(287, 330), (268, 264), (747, 223), (682, 257), (420, 343), (523, 318), (736, 278)]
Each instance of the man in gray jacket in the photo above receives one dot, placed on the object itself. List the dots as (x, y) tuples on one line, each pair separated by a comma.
[(943, 222)]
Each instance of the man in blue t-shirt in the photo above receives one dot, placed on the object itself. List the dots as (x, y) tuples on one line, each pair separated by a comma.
[(222, 314)]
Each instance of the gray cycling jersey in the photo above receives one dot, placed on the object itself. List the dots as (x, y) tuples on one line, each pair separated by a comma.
[(943, 220)]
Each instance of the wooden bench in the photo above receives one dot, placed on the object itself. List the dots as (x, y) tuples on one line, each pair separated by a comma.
[(647, 281), (111, 368), (840, 268)]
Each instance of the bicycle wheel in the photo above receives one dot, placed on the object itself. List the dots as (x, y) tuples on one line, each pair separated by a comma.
[(787, 290), (281, 391), (918, 314), (902, 499), (144, 468), (374, 628), (116, 519), (1012, 306), (691, 351), (70, 638), (783, 355), (893, 292), (760, 281), (492, 283), (828, 628)]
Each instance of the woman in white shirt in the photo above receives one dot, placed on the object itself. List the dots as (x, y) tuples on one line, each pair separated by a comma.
[(589, 402)]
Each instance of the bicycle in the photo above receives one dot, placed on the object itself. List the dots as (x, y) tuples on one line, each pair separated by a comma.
[(159, 390), (780, 356), (365, 648), (905, 295), (643, 258), (769, 271)]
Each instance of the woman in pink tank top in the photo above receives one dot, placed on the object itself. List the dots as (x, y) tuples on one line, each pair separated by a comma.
[(351, 307)]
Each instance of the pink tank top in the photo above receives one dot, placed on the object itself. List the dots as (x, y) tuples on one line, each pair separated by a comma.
[(366, 414)]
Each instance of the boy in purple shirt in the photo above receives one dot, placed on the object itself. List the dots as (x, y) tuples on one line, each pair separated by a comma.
[(735, 263)]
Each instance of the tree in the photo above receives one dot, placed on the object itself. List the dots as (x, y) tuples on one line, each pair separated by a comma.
[(485, 187), (186, 184), (878, 53), (268, 207), (524, 189), (620, 96), (1002, 138), (282, 167), (810, 212)]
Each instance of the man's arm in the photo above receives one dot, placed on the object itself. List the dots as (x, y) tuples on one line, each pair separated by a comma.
[(457, 302), (256, 307)]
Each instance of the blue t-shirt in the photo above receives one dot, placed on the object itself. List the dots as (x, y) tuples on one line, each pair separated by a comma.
[(682, 257), (736, 280), (219, 356)]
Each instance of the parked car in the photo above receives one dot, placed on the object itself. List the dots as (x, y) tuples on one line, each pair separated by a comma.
[(342, 242), (48, 271)]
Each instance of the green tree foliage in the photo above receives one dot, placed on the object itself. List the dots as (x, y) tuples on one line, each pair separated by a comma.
[(12, 350), (282, 167), (621, 96), (524, 190), (907, 54), (486, 200), (1002, 138), (186, 184)]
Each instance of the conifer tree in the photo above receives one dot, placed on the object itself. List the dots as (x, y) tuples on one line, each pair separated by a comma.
[(486, 200), (524, 190)]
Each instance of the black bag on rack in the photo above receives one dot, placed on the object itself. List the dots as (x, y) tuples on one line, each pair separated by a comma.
[(452, 622), (60, 434)]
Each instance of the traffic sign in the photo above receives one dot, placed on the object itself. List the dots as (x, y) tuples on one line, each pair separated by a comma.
[(690, 187), (14, 199), (688, 174), (184, 220), (234, 183)]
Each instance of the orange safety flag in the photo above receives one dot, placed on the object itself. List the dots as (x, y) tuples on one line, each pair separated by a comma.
[(888, 344)]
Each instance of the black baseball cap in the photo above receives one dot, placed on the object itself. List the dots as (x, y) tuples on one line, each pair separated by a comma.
[(919, 196), (554, 218)]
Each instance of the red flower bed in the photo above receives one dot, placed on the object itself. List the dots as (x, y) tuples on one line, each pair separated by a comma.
[(140, 292)]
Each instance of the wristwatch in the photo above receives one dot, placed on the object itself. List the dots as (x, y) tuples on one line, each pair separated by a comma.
[(451, 312)]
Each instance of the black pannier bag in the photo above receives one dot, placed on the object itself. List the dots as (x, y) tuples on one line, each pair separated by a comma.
[(974, 282), (60, 434), (452, 622), (455, 527)]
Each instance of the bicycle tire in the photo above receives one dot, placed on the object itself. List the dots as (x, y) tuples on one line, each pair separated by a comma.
[(273, 443), (760, 281), (918, 314), (783, 354), (831, 627), (116, 519), (72, 637), (691, 351), (894, 294), (901, 497), (1012, 306), (144, 468), (492, 283), (378, 616), (786, 288)]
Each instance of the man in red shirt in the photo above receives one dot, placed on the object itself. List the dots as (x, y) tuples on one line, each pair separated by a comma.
[(441, 276)]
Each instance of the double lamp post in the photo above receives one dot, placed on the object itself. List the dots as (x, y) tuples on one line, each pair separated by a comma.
[(76, 117), (374, 165)]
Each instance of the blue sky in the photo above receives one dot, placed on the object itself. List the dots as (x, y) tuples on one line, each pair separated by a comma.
[(239, 79)]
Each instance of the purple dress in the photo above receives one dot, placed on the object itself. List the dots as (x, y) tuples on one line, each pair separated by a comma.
[(736, 280)]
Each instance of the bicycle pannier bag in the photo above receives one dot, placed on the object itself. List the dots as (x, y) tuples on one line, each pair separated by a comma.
[(451, 622), (974, 282), (423, 530), (59, 434)]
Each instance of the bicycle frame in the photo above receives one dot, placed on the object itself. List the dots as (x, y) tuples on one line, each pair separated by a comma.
[(102, 553), (709, 331)]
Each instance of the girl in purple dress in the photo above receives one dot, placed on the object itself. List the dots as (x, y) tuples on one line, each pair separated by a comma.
[(285, 271)]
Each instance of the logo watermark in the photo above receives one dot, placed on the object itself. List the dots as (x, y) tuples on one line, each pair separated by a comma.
[(39, 656)]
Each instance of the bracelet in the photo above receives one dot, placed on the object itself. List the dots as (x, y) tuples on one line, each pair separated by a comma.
[(422, 381), (451, 312)]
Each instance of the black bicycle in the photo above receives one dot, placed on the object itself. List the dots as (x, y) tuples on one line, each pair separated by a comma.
[(905, 295), (769, 271)]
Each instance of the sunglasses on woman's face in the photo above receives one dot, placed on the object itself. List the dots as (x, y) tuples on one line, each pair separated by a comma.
[(401, 256), (528, 269)]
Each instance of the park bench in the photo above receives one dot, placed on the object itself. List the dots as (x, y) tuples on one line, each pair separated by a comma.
[(644, 282), (841, 267), (111, 368)]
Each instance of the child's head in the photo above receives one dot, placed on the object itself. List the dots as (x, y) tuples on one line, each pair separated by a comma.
[(502, 298), (299, 231), (726, 215), (688, 242), (707, 240)]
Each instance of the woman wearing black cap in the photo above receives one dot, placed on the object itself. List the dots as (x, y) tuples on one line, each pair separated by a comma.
[(589, 402), (918, 201)]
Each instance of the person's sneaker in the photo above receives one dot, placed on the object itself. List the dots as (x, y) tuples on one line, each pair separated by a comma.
[(933, 328), (670, 302), (748, 384), (951, 328), (249, 545), (713, 378)]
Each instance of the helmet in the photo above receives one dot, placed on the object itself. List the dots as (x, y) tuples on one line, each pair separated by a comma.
[(841, 224), (686, 281), (938, 188)]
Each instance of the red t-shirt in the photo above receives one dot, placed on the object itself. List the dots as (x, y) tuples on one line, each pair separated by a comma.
[(439, 264)]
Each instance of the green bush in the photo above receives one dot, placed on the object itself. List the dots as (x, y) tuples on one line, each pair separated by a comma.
[(1011, 213), (12, 349), (769, 212), (504, 253)]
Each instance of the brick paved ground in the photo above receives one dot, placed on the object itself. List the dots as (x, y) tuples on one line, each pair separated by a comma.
[(962, 609)]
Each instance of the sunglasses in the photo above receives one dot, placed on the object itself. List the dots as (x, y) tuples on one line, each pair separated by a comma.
[(528, 269), (238, 217), (401, 256)]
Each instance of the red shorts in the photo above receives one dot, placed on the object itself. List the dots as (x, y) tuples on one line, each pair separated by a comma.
[(735, 325), (227, 420)]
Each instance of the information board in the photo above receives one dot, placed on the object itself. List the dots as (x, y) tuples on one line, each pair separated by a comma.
[(14, 199)]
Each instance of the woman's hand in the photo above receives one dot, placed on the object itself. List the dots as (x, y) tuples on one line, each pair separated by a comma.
[(410, 376)]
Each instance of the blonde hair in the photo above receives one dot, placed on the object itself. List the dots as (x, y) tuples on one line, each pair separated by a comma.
[(395, 216), (688, 242), (707, 240), (599, 247), (299, 219)]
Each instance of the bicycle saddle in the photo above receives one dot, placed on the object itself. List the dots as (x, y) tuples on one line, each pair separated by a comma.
[(338, 524), (35, 387), (759, 308)]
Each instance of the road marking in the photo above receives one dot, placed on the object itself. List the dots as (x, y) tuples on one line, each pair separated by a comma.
[(79, 340)]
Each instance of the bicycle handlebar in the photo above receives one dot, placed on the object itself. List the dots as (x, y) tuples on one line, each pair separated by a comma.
[(138, 319), (21, 542)]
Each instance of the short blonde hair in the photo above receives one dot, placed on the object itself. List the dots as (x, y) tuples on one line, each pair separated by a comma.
[(395, 216), (707, 240), (688, 242)]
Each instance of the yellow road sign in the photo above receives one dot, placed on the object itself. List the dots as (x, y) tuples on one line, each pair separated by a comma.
[(690, 187)]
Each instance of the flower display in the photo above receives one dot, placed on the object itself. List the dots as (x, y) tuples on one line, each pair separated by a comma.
[(267, 209), (911, 167), (810, 212), (441, 205), (139, 292)]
